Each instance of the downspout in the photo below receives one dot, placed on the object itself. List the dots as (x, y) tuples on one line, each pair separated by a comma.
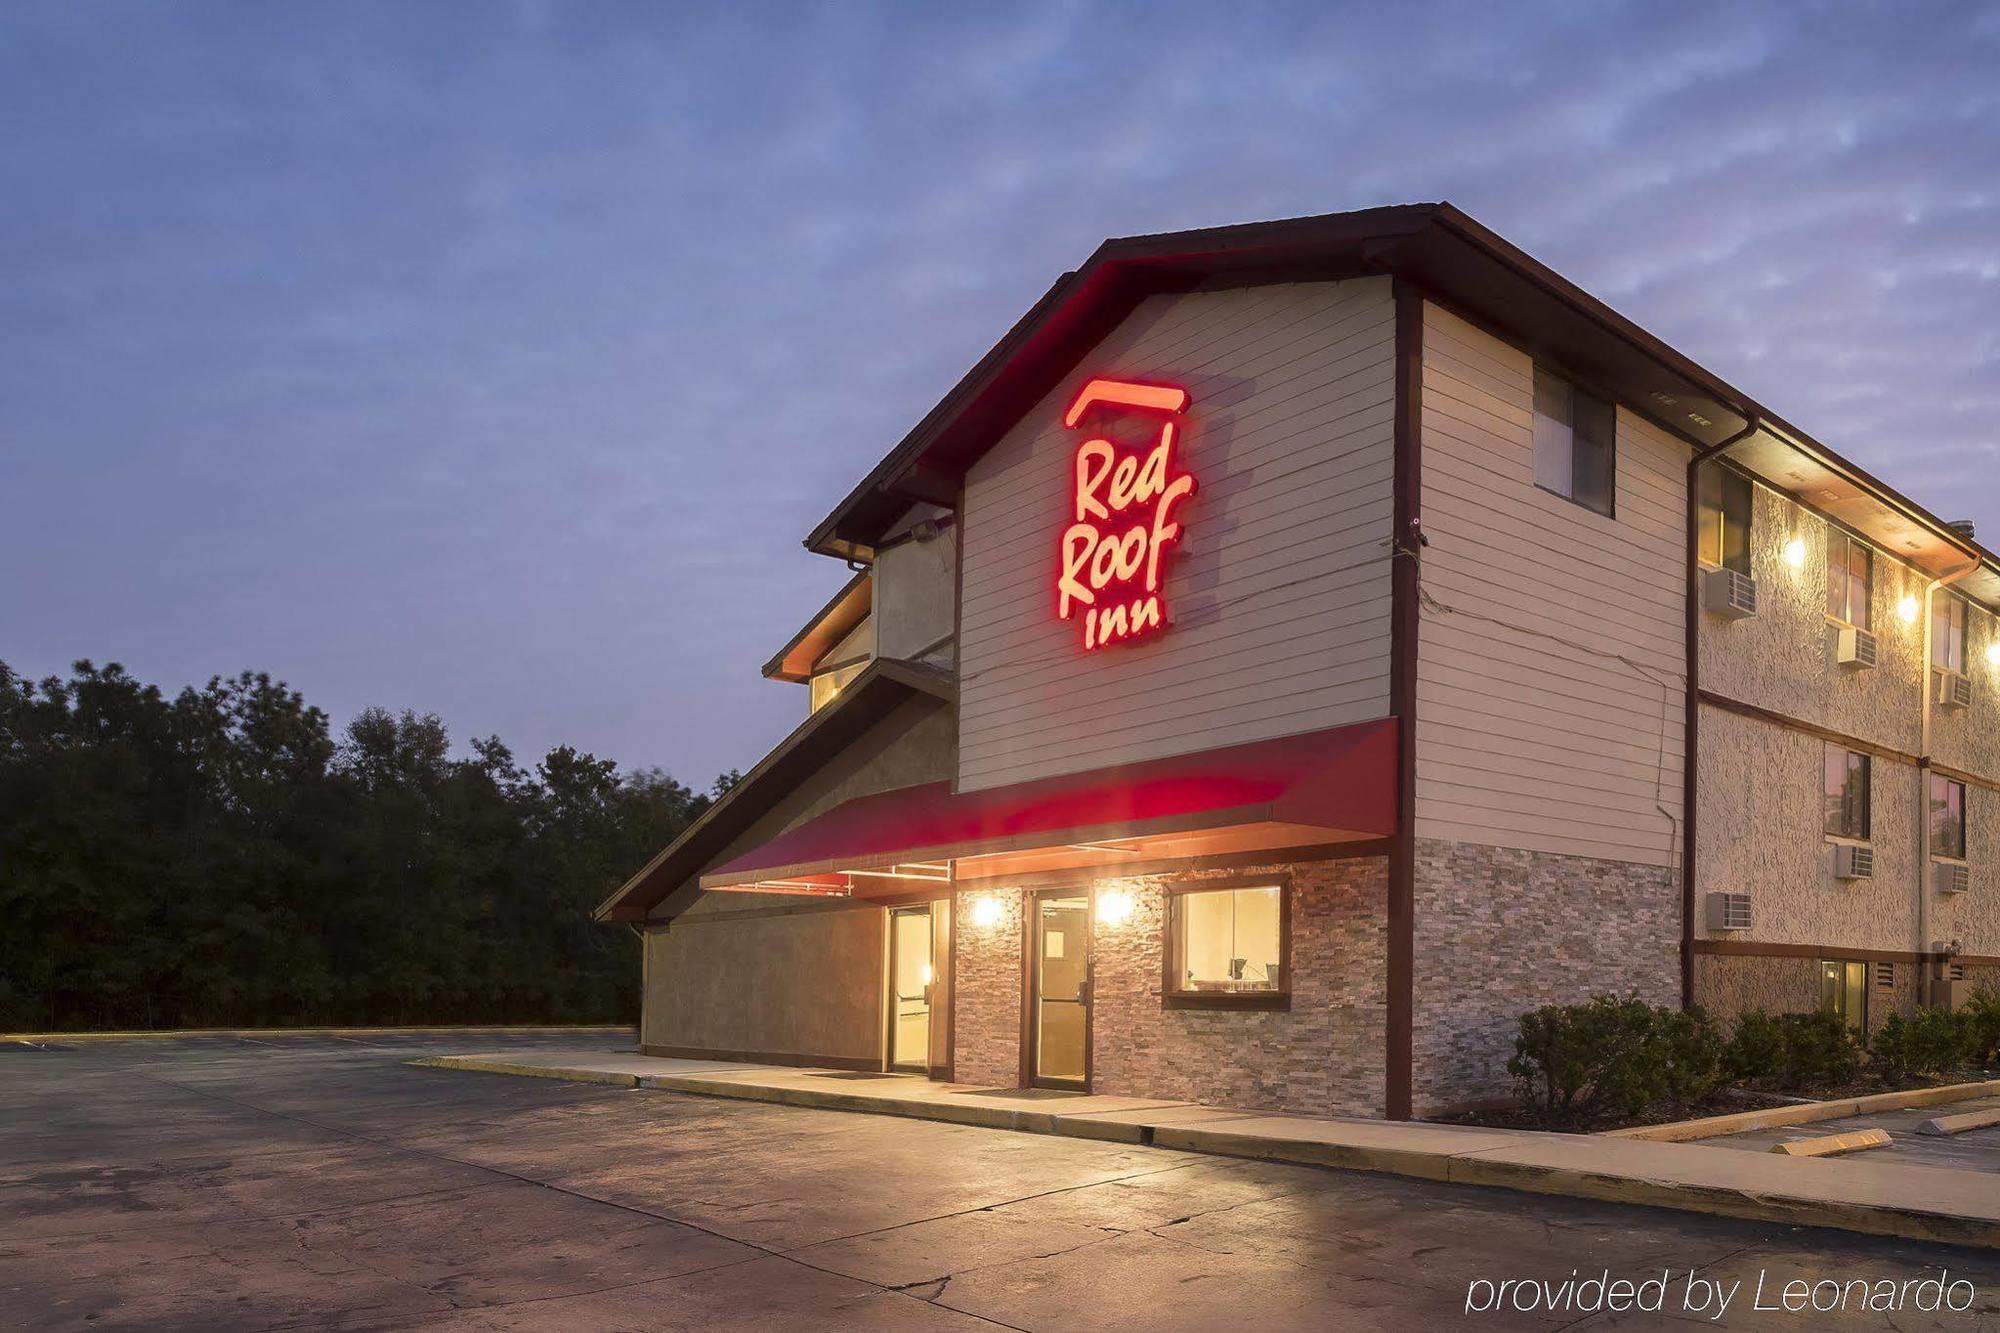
[(1691, 709), (1928, 965)]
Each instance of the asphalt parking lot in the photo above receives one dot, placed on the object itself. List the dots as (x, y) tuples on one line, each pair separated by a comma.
[(307, 1182)]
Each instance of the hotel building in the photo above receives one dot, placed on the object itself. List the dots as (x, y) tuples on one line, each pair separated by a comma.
[(1297, 649)]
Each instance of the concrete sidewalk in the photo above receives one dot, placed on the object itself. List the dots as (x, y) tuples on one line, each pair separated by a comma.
[(1875, 1197)]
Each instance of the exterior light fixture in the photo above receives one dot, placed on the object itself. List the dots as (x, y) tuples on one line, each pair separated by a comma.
[(1114, 908), (1795, 553), (986, 912), (1993, 653), (1907, 609)]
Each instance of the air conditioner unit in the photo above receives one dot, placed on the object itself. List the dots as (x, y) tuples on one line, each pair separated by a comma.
[(1729, 911), (1853, 648), (1853, 862), (1951, 876), (1953, 690), (1729, 593)]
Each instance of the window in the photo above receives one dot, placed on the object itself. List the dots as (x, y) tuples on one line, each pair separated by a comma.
[(1948, 633), (1846, 793), (1843, 990), (1229, 946), (827, 685), (1947, 818), (1725, 519), (1575, 449), (1850, 579)]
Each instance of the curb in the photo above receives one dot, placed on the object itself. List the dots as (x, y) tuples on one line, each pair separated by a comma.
[(1532, 1163), (183, 1034), (1777, 1117), (528, 1071)]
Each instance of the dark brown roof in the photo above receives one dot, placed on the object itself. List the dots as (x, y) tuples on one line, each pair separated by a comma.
[(832, 623), (1453, 260)]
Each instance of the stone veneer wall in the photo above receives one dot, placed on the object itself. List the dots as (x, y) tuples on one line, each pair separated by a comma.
[(986, 991), (1323, 1056), (1500, 931)]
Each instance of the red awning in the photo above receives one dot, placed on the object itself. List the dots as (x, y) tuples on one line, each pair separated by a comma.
[(1323, 786)]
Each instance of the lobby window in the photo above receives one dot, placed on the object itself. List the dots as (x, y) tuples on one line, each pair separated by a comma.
[(1846, 793), (1850, 579), (1725, 519), (1843, 991), (1575, 443), (1227, 947), (1947, 818), (1948, 633)]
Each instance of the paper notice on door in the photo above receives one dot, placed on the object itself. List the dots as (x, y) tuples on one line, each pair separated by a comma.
[(1052, 944)]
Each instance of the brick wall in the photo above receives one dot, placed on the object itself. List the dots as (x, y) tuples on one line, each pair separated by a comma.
[(1500, 931), (1323, 1056), (986, 991)]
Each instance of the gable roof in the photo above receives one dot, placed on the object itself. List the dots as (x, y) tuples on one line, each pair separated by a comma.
[(869, 697), (1451, 259)]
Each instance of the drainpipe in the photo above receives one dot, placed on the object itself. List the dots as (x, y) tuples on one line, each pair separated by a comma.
[(1926, 990), (1691, 709)]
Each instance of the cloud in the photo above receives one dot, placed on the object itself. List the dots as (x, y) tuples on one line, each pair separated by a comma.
[(494, 361)]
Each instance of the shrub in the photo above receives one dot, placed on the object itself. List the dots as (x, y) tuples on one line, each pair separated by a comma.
[(1982, 1024), (1617, 1055), (1793, 1051), (1936, 1041)]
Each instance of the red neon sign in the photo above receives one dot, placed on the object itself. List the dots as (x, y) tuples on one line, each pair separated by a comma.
[(1121, 517)]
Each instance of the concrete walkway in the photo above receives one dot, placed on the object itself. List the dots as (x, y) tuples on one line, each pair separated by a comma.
[(1869, 1196)]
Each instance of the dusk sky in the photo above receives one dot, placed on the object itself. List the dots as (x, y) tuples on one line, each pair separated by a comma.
[(493, 360)]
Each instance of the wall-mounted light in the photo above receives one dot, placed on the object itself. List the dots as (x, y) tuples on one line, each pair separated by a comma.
[(1993, 653), (1907, 609), (1114, 907), (987, 911), (1795, 553)]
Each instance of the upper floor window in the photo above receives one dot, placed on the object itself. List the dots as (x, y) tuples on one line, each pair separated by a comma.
[(1846, 793), (1947, 818), (1575, 443), (1725, 519), (1850, 578), (1948, 632)]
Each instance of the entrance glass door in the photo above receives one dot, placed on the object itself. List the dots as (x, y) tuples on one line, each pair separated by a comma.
[(910, 980), (1061, 1009)]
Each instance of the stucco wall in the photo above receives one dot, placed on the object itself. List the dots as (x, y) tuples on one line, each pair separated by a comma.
[(1762, 821), (1730, 985), (1500, 931), (1779, 659), (914, 587), (799, 981)]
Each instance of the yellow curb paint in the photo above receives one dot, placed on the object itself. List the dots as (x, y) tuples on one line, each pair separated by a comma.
[(1833, 1145), (1958, 1124), (1779, 1117)]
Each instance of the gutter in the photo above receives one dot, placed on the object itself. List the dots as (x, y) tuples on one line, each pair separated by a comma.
[(1691, 709), (1926, 950)]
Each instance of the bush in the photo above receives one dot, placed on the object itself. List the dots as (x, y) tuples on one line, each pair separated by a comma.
[(1792, 1051), (1982, 1023), (1936, 1041), (1617, 1055)]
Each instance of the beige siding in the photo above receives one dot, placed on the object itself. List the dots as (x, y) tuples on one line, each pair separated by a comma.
[(1279, 589), (1550, 668)]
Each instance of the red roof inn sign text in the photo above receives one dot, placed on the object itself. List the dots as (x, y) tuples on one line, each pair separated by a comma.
[(1121, 515)]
